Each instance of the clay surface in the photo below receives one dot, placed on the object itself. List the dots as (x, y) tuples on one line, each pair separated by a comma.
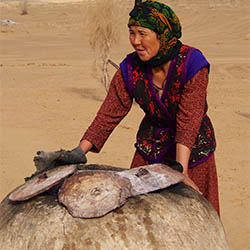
[(175, 218)]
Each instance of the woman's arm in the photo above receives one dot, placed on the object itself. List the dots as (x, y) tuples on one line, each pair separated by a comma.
[(189, 117), (114, 108), (182, 156), (85, 146)]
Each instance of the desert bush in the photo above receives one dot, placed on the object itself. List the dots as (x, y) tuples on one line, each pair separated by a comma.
[(103, 22), (24, 8)]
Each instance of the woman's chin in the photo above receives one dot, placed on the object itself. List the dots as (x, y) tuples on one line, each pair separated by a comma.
[(144, 58)]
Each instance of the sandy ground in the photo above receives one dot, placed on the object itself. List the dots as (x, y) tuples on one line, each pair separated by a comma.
[(50, 93)]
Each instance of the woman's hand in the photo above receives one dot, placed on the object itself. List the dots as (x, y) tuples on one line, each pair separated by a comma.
[(190, 183), (182, 156)]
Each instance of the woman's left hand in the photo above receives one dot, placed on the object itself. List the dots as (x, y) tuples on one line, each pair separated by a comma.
[(190, 183)]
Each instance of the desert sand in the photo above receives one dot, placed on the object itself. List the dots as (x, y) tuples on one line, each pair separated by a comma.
[(50, 91)]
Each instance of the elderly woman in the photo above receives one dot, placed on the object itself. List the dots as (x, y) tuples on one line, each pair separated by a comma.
[(169, 81)]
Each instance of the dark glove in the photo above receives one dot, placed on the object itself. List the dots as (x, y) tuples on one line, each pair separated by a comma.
[(174, 165), (48, 160), (75, 156)]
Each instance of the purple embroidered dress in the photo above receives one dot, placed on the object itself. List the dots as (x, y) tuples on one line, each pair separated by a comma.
[(156, 135)]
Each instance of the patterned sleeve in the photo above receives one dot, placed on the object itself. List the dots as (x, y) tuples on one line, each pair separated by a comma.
[(114, 108), (191, 108)]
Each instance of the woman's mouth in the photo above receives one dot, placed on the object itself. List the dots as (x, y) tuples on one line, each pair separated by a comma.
[(140, 51)]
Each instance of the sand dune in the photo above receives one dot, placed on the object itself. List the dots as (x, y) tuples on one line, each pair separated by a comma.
[(50, 94)]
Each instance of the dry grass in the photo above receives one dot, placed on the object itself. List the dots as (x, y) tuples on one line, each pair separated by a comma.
[(24, 8), (103, 25)]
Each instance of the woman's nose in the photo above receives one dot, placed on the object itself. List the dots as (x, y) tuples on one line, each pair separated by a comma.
[(137, 40)]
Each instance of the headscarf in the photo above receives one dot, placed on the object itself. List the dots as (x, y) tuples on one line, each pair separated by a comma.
[(161, 19)]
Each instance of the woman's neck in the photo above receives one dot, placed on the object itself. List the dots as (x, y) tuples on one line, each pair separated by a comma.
[(160, 74), (163, 68)]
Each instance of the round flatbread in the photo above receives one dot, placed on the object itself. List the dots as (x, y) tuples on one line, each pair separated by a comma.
[(90, 194), (42, 182)]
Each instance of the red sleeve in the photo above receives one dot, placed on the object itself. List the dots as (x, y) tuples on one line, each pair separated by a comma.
[(114, 108), (191, 109)]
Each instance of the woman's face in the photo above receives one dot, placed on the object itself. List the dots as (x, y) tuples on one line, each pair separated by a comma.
[(145, 42)]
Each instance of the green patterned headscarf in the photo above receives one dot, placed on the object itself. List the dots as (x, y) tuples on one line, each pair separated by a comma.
[(161, 19)]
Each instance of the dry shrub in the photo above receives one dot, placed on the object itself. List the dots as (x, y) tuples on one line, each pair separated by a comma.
[(24, 8), (104, 26)]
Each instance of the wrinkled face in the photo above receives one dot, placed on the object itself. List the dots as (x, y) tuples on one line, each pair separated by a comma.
[(145, 42)]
